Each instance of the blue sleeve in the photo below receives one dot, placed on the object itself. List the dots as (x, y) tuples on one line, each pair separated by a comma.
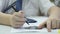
[(19, 5)]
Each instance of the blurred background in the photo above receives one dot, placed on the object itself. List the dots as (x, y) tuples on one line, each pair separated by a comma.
[(11, 11)]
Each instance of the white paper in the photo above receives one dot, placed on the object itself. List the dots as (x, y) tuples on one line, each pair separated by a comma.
[(39, 21)]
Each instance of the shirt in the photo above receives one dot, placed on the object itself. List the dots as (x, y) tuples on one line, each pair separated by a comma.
[(32, 7)]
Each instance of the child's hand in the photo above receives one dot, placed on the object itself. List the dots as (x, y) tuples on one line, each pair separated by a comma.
[(53, 20), (51, 23), (18, 19)]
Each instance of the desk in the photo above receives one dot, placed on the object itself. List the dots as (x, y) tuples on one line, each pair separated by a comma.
[(7, 30)]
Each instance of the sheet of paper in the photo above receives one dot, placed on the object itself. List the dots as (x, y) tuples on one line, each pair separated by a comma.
[(39, 21)]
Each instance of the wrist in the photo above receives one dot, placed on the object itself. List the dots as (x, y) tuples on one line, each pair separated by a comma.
[(5, 19)]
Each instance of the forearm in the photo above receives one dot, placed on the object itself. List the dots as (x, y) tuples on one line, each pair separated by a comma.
[(54, 11), (5, 19)]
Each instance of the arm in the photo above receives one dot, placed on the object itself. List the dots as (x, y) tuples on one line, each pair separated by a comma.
[(5, 19), (54, 11), (15, 20)]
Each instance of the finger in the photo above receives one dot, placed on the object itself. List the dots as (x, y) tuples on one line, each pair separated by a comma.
[(54, 24), (49, 25), (18, 24), (58, 23), (42, 24), (19, 19), (19, 14)]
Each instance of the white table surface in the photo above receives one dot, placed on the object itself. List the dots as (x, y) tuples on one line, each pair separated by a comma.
[(7, 30)]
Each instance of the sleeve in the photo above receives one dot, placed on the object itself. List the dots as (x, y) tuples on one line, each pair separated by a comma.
[(30, 7), (0, 5), (3, 4), (45, 5)]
